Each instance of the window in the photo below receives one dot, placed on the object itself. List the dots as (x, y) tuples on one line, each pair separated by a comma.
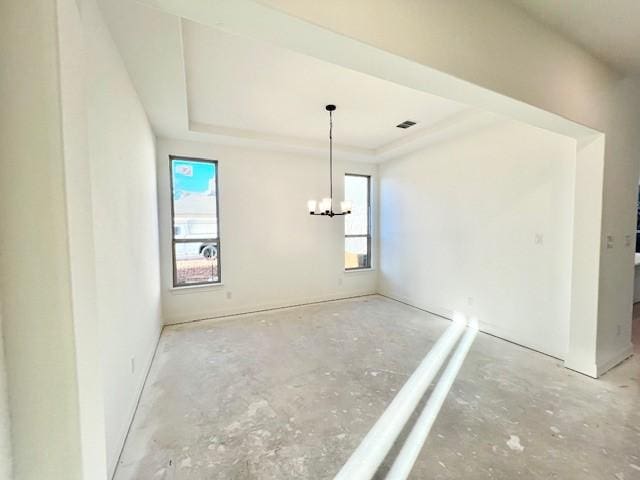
[(357, 225), (194, 217)]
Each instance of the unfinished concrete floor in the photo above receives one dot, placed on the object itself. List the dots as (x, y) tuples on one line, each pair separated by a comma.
[(290, 394)]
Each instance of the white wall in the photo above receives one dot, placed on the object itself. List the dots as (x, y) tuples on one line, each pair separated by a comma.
[(273, 252), (6, 460), (82, 162), (79, 223), (459, 222), (37, 318), (503, 49), (123, 183)]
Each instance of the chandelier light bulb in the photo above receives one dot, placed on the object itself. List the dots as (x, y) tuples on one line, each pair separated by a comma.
[(312, 205)]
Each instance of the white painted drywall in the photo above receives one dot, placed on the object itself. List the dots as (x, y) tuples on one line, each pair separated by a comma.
[(73, 122), (6, 461), (460, 222), (35, 274), (77, 183), (501, 48), (273, 252), (122, 154)]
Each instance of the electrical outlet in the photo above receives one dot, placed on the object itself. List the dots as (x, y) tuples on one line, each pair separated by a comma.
[(538, 239), (470, 301), (618, 330), (132, 360), (229, 295), (610, 241), (627, 240), (340, 281)]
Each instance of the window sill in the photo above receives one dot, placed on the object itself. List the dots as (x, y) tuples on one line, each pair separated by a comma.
[(194, 288), (359, 270)]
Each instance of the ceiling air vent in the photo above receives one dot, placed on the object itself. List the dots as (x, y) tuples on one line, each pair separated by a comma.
[(406, 124)]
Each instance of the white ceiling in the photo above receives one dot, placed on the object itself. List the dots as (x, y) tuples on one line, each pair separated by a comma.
[(243, 84), (200, 83), (610, 29)]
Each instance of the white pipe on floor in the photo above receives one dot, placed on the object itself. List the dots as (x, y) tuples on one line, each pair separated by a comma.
[(366, 459), (415, 441)]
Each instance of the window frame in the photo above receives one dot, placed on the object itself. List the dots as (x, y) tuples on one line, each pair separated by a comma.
[(368, 234), (215, 241)]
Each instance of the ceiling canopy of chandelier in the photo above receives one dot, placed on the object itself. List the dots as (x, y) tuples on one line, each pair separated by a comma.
[(325, 206)]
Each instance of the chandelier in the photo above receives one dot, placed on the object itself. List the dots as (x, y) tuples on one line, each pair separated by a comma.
[(325, 206)]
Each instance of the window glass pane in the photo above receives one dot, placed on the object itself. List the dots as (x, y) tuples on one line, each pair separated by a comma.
[(356, 190), (196, 262), (195, 212), (356, 252)]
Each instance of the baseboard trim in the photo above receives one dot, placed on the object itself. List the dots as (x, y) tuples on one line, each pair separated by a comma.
[(248, 310), (584, 368), (486, 328), (615, 360), (438, 312), (123, 439)]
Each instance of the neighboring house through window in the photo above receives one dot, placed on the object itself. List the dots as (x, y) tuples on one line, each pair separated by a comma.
[(357, 225), (194, 219)]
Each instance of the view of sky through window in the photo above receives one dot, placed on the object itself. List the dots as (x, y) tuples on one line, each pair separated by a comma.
[(195, 222)]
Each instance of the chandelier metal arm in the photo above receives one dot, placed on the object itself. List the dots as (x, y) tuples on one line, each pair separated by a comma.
[(331, 213)]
